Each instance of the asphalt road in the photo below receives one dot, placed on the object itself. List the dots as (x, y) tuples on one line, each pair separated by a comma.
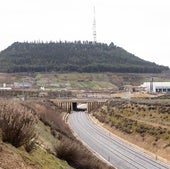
[(118, 153)]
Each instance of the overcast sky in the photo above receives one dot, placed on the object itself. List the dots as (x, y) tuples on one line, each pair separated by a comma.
[(142, 27)]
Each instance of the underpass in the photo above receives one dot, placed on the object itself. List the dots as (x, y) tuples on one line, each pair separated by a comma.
[(75, 104)]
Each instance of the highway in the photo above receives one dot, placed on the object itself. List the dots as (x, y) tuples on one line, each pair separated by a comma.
[(118, 153)]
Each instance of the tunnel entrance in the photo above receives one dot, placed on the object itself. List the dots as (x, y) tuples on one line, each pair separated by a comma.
[(74, 106), (79, 107)]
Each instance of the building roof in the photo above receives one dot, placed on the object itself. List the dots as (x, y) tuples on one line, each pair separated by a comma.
[(156, 84)]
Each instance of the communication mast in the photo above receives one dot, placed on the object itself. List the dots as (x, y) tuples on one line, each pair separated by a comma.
[(94, 27)]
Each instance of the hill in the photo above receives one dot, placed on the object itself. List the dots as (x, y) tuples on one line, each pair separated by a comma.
[(73, 57)]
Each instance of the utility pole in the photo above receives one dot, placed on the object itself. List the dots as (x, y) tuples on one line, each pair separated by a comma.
[(151, 85)]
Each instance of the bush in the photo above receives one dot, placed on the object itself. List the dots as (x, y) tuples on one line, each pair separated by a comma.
[(17, 124), (68, 151), (78, 157)]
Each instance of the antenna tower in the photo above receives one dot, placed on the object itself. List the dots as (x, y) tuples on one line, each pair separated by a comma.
[(94, 27)]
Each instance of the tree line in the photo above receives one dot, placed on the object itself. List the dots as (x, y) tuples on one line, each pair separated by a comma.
[(73, 57)]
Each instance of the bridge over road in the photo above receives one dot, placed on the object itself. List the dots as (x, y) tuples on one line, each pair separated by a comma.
[(72, 104)]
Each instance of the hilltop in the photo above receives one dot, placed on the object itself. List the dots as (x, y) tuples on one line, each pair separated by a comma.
[(73, 57)]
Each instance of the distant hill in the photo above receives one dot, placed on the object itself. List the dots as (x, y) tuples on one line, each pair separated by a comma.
[(72, 57)]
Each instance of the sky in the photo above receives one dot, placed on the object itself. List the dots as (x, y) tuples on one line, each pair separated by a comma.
[(141, 27)]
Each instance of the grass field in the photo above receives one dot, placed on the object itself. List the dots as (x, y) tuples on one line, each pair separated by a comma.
[(94, 81)]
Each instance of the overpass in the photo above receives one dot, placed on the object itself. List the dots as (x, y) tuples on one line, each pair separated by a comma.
[(71, 104)]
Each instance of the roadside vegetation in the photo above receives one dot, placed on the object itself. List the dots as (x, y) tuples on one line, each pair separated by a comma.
[(68, 147), (17, 124), (38, 137), (147, 122)]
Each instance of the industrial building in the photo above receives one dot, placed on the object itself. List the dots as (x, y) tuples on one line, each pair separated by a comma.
[(156, 87)]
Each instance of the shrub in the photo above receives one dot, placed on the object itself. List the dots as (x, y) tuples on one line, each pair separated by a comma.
[(30, 145), (17, 124), (78, 157), (69, 152)]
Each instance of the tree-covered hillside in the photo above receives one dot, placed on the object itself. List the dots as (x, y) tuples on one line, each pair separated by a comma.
[(72, 57)]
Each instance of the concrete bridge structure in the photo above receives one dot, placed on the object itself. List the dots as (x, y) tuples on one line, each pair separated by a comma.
[(72, 104)]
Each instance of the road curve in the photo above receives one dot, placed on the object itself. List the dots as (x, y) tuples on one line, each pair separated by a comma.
[(118, 153)]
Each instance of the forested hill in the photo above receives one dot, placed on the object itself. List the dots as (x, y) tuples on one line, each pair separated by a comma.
[(72, 57)]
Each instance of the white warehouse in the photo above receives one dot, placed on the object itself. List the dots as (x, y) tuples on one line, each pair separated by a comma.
[(157, 87)]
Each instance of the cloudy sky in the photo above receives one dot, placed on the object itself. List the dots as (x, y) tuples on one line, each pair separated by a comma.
[(142, 27)]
